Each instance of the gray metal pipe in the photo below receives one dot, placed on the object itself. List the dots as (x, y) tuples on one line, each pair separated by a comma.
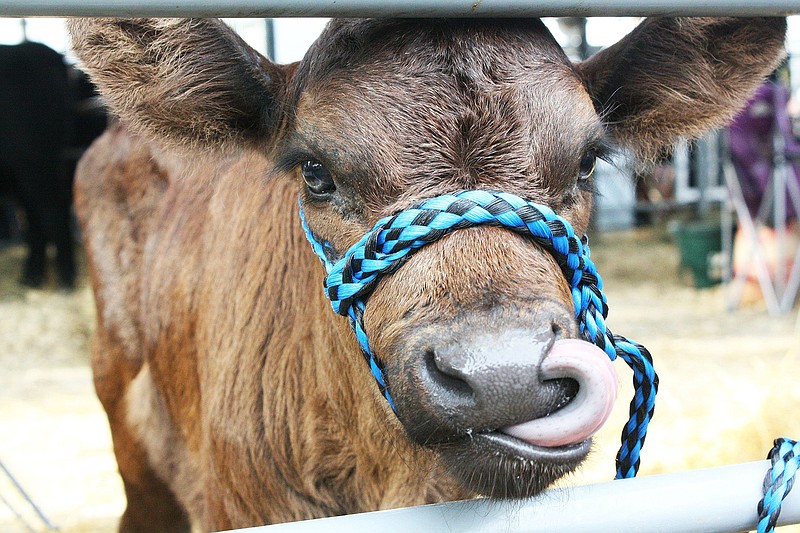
[(393, 8), (722, 499)]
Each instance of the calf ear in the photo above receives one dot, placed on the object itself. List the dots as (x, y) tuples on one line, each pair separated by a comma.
[(186, 82), (675, 77)]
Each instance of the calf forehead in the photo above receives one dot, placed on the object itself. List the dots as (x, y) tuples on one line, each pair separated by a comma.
[(432, 105), (478, 47)]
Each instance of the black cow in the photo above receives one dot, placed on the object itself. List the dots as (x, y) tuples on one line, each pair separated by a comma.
[(43, 128)]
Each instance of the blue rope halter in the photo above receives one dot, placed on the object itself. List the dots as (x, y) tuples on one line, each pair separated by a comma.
[(393, 239), (353, 276)]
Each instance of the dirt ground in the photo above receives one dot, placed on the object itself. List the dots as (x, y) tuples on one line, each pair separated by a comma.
[(728, 384)]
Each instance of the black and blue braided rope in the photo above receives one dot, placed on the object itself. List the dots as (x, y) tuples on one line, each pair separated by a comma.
[(393, 239), (785, 457)]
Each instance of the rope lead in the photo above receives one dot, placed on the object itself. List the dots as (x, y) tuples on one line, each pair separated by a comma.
[(785, 457)]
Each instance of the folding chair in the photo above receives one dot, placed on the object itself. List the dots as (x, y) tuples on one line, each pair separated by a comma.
[(763, 179)]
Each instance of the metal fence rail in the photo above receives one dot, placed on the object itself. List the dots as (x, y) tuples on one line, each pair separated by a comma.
[(722, 499), (394, 8)]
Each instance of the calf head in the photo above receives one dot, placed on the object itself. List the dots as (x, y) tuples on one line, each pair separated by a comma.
[(383, 113)]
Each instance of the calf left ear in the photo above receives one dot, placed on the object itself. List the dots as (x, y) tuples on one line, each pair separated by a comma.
[(184, 82), (675, 77)]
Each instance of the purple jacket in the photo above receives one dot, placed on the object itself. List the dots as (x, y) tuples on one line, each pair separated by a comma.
[(751, 143)]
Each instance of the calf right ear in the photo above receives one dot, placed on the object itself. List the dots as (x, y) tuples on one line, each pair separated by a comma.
[(674, 77), (186, 82)]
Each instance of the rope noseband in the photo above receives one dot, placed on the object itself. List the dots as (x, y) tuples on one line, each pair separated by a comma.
[(393, 239)]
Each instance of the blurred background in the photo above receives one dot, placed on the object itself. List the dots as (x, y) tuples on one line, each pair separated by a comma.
[(700, 258)]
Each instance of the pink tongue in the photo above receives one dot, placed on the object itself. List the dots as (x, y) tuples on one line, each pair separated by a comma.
[(588, 411)]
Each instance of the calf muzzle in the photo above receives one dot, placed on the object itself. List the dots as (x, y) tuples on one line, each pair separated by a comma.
[(353, 276), (490, 372)]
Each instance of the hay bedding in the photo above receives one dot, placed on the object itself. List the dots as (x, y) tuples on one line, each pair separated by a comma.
[(728, 383), (53, 432)]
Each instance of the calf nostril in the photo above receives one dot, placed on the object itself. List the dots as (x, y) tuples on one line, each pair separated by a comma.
[(445, 377), (564, 390), (557, 332)]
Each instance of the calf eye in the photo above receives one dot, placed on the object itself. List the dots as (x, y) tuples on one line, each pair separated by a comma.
[(317, 178), (588, 162)]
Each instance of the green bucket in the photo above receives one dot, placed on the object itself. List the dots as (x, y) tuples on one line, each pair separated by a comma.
[(698, 242)]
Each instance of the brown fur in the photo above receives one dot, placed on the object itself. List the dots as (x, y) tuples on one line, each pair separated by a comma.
[(235, 396)]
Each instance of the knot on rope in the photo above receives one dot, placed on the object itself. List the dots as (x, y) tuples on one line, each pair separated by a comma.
[(785, 457), (392, 240)]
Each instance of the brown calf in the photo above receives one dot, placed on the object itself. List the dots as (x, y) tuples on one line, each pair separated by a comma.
[(235, 396)]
